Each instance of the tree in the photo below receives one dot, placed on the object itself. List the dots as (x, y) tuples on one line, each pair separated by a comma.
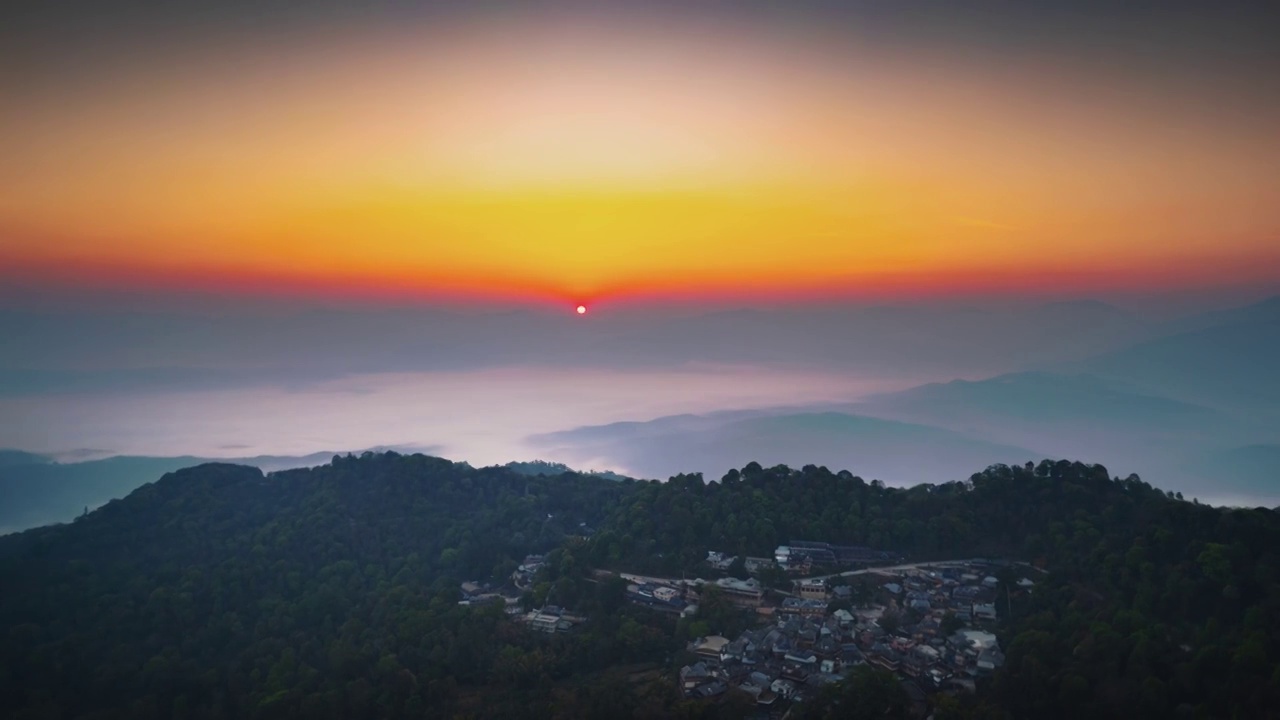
[(951, 624), (869, 693), (738, 568)]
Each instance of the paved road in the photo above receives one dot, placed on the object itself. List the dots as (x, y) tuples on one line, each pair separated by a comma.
[(848, 573)]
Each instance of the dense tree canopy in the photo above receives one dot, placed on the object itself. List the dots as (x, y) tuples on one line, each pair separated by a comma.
[(332, 592)]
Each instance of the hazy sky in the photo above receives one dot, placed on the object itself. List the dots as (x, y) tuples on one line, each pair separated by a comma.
[(293, 227), (564, 154)]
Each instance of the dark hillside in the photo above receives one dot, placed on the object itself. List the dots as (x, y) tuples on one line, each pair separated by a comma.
[(223, 591), (219, 592)]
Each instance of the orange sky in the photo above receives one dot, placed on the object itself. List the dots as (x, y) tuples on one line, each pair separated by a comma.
[(594, 162)]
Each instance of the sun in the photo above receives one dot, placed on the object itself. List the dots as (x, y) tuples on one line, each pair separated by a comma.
[(582, 309)]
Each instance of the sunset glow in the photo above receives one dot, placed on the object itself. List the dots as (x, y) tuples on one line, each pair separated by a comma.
[(617, 158)]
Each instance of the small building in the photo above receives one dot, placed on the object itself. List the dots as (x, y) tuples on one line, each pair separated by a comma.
[(745, 593), (710, 646), (711, 689), (783, 688), (547, 622), (804, 658), (812, 589), (990, 658), (691, 676), (665, 594), (803, 608)]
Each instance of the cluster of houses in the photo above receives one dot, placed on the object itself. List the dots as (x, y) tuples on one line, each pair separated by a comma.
[(528, 568), (681, 596), (816, 637), (479, 593), (548, 619), (679, 599), (927, 623), (803, 555), (720, 561)]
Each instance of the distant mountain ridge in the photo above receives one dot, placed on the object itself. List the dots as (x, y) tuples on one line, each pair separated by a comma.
[(1042, 397), (889, 450), (1229, 365), (1179, 405), (38, 490)]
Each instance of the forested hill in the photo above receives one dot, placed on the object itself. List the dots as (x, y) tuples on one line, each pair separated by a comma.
[(332, 592)]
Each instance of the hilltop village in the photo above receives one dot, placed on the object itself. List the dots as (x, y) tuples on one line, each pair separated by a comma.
[(930, 623)]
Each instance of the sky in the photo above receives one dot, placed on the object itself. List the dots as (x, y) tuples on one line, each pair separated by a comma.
[(561, 153), (297, 227)]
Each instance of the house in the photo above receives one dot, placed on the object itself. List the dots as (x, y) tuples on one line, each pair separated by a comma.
[(782, 555), (744, 593), (812, 589), (990, 658), (928, 655), (850, 655), (893, 588), (783, 688), (912, 666), (795, 672), (804, 658), (807, 637), (886, 657), (984, 611), (734, 651), (665, 594), (719, 560), (710, 647), (711, 689), (827, 647), (547, 622), (756, 684), (691, 676), (804, 608)]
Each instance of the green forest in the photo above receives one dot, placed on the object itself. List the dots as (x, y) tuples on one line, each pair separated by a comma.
[(332, 592)]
